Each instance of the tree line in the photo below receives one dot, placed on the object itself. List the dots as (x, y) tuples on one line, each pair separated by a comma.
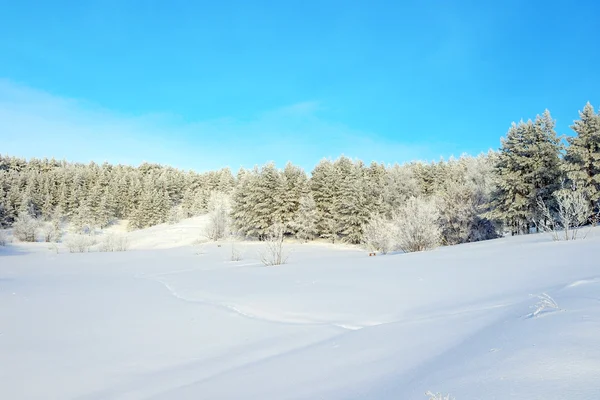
[(517, 189)]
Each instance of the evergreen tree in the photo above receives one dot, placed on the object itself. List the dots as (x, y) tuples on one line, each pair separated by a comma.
[(528, 169), (350, 206), (305, 220), (267, 200), (294, 187), (582, 158), (324, 188), (241, 208)]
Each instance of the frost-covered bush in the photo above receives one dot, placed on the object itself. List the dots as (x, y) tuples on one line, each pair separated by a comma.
[(25, 227), (416, 225), (52, 231), (114, 242), (438, 396), (378, 235), (274, 252), (3, 238), (572, 212), (78, 243), (218, 216)]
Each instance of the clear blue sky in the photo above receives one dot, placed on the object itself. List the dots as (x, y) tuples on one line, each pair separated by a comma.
[(201, 84)]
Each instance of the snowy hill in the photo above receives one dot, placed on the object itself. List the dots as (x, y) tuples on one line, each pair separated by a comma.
[(333, 323)]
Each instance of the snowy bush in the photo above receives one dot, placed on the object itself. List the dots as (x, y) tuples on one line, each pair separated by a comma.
[(438, 396), (113, 242), (25, 227), (218, 216), (3, 238), (51, 231), (274, 251), (416, 225), (377, 235), (572, 212), (79, 243)]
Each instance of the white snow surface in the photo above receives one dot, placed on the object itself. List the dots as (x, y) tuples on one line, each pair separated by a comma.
[(333, 323)]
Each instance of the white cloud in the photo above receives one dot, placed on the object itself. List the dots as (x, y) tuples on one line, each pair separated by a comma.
[(34, 123)]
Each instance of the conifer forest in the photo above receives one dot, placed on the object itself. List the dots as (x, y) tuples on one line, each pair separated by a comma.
[(526, 185)]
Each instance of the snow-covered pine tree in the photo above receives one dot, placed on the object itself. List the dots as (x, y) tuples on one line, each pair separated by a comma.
[(545, 169), (528, 168), (241, 205), (375, 179), (582, 158), (294, 187), (267, 200), (305, 220), (350, 206), (401, 184), (83, 220), (324, 188), (226, 181)]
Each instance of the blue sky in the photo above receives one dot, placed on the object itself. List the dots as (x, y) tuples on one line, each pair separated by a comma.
[(203, 85)]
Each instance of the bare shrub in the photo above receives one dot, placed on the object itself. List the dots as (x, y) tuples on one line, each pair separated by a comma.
[(274, 251), (114, 242), (572, 212), (52, 231), (377, 235), (545, 304), (25, 227), (218, 216), (416, 225), (79, 243), (438, 396)]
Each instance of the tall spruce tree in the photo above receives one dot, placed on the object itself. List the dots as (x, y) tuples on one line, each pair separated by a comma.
[(324, 183), (582, 158), (294, 187), (350, 205), (528, 169)]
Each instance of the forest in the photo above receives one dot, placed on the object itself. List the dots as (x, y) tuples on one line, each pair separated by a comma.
[(536, 180)]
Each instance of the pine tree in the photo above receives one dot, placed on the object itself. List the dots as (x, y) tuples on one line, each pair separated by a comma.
[(267, 200), (350, 206), (400, 185), (241, 208), (582, 158), (324, 188), (83, 220), (304, 223), (528, 169), (294, 187)]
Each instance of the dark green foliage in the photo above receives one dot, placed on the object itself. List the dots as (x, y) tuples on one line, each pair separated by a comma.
[(528, 169), (582, 158)]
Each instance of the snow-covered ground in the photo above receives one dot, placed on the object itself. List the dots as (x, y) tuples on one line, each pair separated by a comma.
[(165, 322)]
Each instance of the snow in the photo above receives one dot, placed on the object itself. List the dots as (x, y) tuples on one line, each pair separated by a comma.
[(172, 320)]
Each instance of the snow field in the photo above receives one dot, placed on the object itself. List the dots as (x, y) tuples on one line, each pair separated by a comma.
[(188, 323)]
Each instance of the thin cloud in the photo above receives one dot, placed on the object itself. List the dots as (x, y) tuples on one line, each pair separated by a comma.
[(35, 123)]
